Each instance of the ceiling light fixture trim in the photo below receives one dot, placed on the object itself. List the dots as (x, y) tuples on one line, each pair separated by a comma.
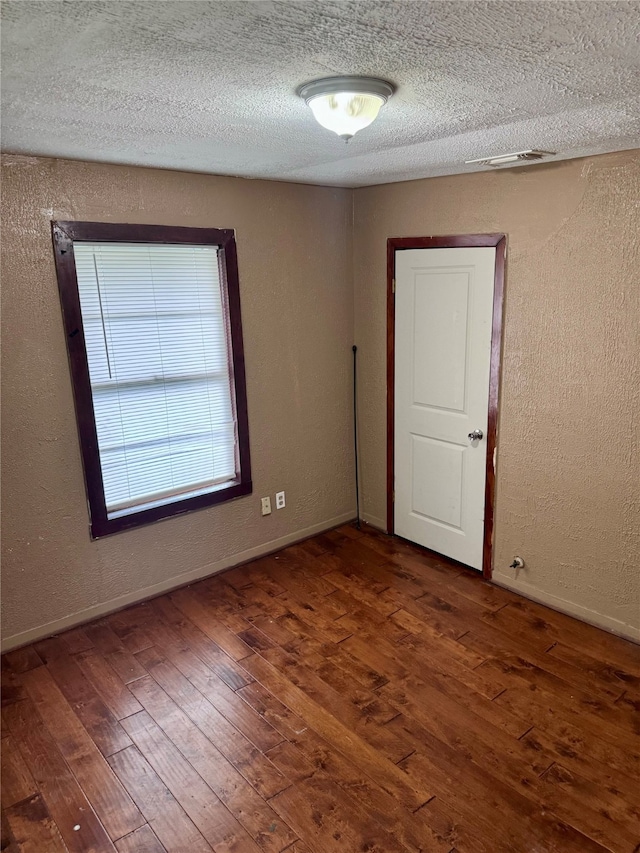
[(346, 104)]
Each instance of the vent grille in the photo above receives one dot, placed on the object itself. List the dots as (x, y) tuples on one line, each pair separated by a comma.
[(528, 156)]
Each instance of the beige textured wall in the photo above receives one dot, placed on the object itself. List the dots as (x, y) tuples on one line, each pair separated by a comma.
[(294, 255), (568, 468), (568, 494)]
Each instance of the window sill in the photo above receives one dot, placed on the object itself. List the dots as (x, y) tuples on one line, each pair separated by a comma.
[(127, 520)]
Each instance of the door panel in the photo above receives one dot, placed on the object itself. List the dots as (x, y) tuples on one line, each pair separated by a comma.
[(440, 325), (443, 317), (437, 462)]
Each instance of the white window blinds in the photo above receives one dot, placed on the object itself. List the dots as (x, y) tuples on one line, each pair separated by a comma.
[(158, 362)]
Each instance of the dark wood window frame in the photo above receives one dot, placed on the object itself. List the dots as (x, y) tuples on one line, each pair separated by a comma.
[(395, 244), (65, 234)]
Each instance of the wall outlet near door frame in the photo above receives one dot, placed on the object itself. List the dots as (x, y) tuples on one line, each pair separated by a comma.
[(280, 501), (265, 506)]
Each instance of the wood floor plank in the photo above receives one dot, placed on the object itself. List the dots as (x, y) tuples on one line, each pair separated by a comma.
[(542, 715), (491, 644), (114, 651), (237, 749), (336, 733), (12, 689), (190, 636), (75, 641), (63, 796), (449, 658), (143, 840), (571, 632), (216, 823), (609, 779), (302, 630), (220, 595), (332, 822), (268, 706), (313, 756), (606, 819), (352, 693), (509, 818), (214, 685), (297, 847), (395, 579), (336, 653), (311, 588), (361, 567), (112, 690), (257, 570), (16, 779), (354, 605), (129, 626), (242, 576), (243, 802), (87, 704), (7, 841), (369, 704), (598, 671), (354, 585), (194, 610), (50, 648), (618, 716), (583, 804), (176, 831), (33, 828), (386, 630), (323, 626), (258, 598), (349, 531), (447, 619), (273, 629), (235, 622), (22, 659), (291, 762), (384, 657), (110, 801), (469, 585), (363, 721), (599, 740)]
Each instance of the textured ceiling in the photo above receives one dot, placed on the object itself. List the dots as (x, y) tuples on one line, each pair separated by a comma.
[(210, 86)]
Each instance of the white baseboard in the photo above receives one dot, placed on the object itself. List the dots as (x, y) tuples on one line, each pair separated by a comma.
[(378, 523), (102, 609), (592, 617)]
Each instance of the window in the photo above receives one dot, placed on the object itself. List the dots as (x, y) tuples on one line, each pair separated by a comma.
[(152, 316)]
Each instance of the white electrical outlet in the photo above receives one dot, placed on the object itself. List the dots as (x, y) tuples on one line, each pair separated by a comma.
[(266, 506), (280, 502)]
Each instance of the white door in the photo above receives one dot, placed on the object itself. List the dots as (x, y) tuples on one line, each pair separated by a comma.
[(444, 309)]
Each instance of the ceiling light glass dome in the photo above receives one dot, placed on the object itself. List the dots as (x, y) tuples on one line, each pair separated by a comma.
[(346, 105)]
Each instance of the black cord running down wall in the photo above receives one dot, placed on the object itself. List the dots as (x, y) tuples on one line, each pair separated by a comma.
[(355, 431)]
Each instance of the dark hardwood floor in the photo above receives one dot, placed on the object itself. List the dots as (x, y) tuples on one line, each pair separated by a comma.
[(350, 694)]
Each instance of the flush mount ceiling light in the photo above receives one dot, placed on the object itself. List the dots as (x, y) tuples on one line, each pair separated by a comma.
[(530, 155), (346, 104)]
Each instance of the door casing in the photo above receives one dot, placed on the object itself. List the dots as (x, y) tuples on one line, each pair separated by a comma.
[(395, 244)]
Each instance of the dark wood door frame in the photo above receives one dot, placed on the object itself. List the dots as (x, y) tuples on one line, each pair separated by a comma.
[(395, 244)]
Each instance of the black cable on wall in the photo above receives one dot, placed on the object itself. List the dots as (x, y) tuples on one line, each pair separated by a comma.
[(355, 430)]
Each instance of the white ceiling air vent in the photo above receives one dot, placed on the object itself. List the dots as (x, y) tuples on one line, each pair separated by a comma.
[(532, 155)]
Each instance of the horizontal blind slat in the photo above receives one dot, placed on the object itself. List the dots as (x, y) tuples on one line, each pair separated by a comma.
[(157, 351)]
